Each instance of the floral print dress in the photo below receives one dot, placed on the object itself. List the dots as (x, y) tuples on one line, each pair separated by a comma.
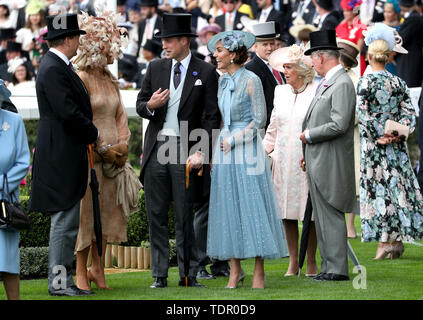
[(391, 205)]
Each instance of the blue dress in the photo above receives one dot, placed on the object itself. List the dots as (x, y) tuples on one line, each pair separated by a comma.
[(244, 217), (14, 161)]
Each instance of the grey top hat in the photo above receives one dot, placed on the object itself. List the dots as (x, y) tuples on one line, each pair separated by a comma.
[(265, 31)]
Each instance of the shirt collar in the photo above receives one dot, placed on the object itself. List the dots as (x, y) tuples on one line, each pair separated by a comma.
[(185, 62), (233, 14), (61, 55), (332, 71), (153, 20), (267, 10)]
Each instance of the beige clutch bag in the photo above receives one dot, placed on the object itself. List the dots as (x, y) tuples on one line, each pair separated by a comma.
[(396, 129)]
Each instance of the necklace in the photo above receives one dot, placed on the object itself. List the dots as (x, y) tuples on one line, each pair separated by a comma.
[(300, 89)]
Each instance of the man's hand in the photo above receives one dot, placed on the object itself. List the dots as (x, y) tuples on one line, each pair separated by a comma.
[(158, 99), (302, 164), (303, 137), (196, 160)]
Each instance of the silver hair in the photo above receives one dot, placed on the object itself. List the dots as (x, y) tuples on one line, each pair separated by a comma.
[(331, 54)]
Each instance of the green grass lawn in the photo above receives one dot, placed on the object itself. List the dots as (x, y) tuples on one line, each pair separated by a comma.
[(400, 279)]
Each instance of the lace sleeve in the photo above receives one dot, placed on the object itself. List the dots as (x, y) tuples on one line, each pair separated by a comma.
[(254, 90)]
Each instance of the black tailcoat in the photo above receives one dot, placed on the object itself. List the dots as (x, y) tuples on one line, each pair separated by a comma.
[(60, 169)]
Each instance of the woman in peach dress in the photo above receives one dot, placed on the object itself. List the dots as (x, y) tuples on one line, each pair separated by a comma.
[(95, 52)]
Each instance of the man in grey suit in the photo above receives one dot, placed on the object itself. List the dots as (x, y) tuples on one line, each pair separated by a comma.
[(329, 154)]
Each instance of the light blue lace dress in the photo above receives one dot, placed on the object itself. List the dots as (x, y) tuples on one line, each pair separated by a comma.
[(244, 217)]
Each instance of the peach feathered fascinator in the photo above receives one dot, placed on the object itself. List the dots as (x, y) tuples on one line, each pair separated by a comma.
[(103, 39)]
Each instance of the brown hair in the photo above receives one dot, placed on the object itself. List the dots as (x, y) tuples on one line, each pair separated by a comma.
[(42, 23), (241, 55)]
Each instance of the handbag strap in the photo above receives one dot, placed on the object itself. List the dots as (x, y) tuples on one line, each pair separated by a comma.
[(8, 193)]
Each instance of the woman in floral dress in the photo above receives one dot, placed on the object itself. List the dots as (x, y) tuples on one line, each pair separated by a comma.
[(391, 204)]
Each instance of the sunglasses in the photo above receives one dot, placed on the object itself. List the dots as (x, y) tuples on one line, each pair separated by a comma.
[(229, 1)]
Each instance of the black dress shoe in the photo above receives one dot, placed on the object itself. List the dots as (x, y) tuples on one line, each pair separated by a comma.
[(161, 282), (222, 273), (192, 282), (320, 277), (336, 277), (204, 275), (72, 291)]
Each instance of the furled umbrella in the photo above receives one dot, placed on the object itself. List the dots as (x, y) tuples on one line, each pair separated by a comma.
[(187, 227), (94, 185), (305, 233)]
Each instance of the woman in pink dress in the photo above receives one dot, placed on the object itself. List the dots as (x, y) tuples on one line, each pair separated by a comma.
[(351, 28), (291, 103)]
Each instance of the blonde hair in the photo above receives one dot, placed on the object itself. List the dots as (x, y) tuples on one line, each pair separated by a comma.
[(379, 51), (305, 72)]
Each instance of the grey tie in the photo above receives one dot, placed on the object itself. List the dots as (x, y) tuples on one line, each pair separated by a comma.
[(177, 75)]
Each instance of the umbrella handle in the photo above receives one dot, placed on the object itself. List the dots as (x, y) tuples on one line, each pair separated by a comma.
[(90, 154), (200, 173)]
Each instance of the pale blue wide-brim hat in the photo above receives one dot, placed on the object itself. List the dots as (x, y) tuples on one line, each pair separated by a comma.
[(232, 40)]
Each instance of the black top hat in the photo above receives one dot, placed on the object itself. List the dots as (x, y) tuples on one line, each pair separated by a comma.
[(176, 25), (61, 26), (322, 40), (127, 65), (154, 46), (13, 46), (407, 3), (149, 3), (325, 4), (7, 34)]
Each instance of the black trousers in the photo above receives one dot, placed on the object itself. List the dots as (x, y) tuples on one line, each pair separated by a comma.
[(162, 184)]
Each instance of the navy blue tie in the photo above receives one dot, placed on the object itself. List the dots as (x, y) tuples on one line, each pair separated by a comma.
[(177, 75)]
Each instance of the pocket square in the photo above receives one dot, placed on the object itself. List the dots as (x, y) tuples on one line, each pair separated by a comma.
[(198, 83)]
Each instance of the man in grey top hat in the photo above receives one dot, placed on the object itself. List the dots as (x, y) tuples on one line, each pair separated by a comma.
[(266, 34)]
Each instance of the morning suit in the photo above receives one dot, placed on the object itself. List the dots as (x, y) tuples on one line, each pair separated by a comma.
[(236, 24), (331, 21), (163, 182), (158, 25), (268, 81), (60, 169), (329, 160)]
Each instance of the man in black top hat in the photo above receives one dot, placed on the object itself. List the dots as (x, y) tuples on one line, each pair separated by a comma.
[(150, 25), (179, 97), (6, 35), (13, 50), (265, 44), (328, 149), (59, 173), (410, 66), (328, 17)]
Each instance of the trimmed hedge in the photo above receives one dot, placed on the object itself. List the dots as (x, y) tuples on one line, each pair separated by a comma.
[(34, 262), (137, 229)]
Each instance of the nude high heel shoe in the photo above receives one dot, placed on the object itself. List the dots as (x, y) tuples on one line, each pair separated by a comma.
[(383, 252), (240, 279)]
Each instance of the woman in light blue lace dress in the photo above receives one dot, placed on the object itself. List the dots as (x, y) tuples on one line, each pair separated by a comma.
[(244, 217)]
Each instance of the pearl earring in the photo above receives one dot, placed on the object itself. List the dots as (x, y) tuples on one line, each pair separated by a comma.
[(232, 61)]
